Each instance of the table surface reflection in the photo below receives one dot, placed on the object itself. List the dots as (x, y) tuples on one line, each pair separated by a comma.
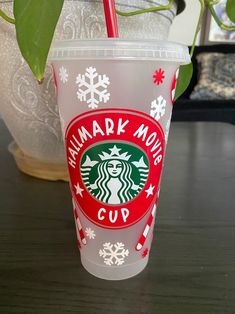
[(192, 261)]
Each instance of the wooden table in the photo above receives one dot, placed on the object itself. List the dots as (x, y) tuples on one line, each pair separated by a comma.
[(192, 262)]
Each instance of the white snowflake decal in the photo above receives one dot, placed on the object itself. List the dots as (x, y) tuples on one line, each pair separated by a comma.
[(158, 108), (63, 74), (167, 128), (113, 254), (92, 87), (90, 233)]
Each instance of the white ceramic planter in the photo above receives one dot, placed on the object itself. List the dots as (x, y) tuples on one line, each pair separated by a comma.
[(30, 110)]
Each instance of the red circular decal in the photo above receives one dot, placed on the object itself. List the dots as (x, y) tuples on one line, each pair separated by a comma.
[(115, 159)]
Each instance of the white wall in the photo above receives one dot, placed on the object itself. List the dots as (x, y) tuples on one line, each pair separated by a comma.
[(184, 25)]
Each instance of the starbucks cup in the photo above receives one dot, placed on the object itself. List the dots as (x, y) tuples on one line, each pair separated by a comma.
[(115, 100)]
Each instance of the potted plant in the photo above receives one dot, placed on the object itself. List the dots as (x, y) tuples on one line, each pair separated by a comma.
[(35, 23), (29, 109)]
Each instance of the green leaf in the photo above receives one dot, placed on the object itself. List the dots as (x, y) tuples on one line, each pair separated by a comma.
[(35, 22), (184, 78), (230, 9)]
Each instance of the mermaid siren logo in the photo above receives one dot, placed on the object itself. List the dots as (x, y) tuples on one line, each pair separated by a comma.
[(114, 173)]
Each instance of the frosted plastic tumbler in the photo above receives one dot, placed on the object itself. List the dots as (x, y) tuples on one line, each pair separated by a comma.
[(115, 100)]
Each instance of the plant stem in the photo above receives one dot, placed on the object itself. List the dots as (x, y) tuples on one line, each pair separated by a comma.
[(218, 21), (152, 9), (6, 17), (212, 2), (198, 28)]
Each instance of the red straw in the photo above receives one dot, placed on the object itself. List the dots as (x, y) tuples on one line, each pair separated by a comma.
[(111, 18)]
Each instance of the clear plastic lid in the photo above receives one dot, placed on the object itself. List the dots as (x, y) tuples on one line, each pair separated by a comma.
[(119, 49)]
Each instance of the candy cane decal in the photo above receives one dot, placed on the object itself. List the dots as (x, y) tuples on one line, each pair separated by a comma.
[(144, 235), (77, 233), (173, 86), (78, 224)]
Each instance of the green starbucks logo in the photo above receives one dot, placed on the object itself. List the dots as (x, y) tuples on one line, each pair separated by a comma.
[(114, 173)]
